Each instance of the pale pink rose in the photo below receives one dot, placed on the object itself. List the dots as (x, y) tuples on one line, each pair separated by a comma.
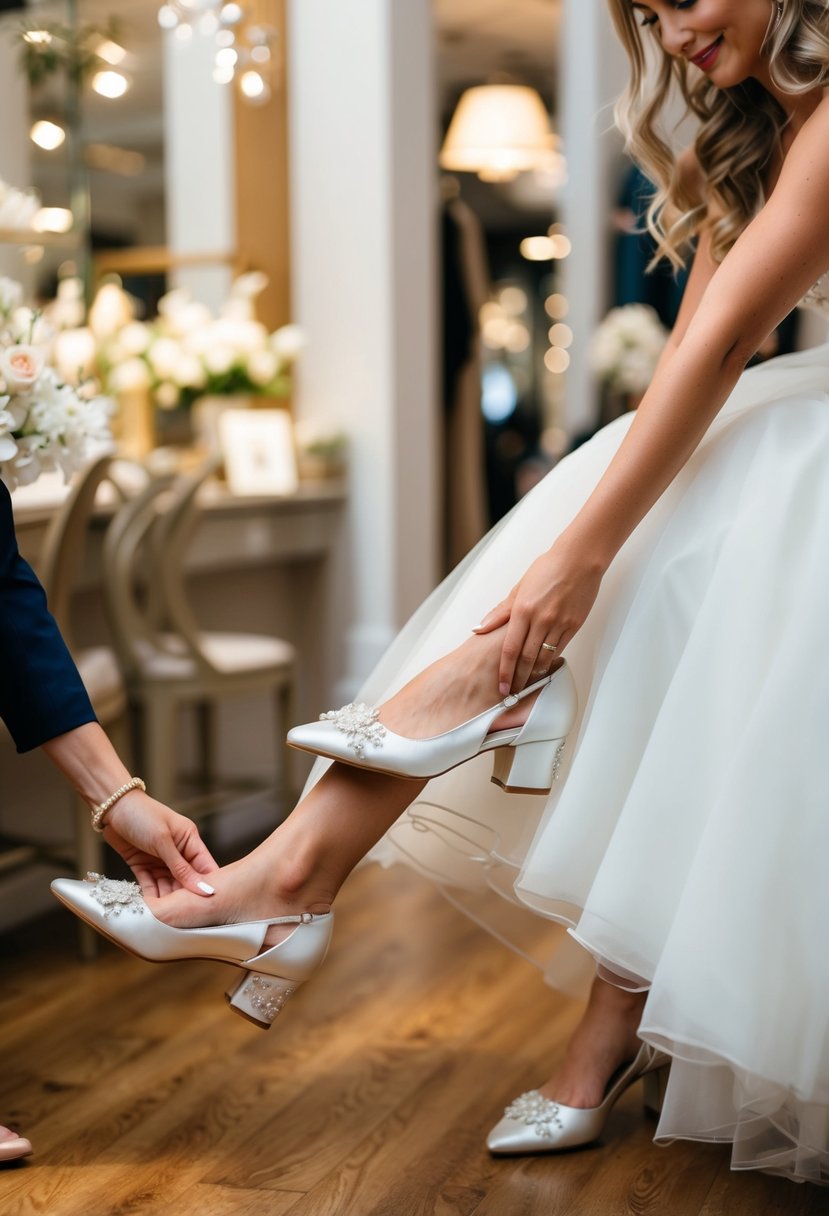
[(20, 367)]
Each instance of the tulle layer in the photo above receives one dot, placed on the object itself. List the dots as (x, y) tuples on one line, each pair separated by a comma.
[(685, 845)]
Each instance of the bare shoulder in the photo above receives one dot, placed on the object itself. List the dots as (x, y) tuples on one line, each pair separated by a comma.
[(809, 149)]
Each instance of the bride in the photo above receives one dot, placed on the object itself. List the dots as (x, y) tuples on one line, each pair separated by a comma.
[(680, 560)]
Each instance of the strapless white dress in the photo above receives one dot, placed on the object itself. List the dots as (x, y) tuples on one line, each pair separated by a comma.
[(685, 847)]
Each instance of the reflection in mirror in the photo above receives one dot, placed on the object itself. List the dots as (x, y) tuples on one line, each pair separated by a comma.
[(505, 340), (98, 148)]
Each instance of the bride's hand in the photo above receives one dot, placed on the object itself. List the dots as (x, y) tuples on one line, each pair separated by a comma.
[(548, 605), (162, 848)]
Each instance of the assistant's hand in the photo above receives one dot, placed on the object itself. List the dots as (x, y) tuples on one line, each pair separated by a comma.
[(549, 604), (162, 848)]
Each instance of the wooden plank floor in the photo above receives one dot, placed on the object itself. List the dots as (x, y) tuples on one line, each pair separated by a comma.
[(371, 1096)]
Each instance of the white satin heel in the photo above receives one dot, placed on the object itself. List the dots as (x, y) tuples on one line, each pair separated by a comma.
[(526, 759), (117, 910), (528, 768), (259, 998), (535, 1124)]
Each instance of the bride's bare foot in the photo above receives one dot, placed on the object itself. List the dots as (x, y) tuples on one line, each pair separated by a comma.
[(604, 1040), (452, 690)]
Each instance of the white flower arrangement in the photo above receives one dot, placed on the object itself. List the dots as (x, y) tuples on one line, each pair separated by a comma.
[(18, 208), (44, 423), (188, 353), (626, 347)]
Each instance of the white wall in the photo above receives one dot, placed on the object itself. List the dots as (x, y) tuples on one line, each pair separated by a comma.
[(593, 74), (364, 209)]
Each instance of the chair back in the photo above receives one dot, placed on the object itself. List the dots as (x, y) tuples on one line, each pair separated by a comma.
[(144, 554), (171, 541), (127, 571), (64, 544)]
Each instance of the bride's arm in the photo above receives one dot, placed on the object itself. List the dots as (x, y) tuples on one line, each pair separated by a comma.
[(779, 256)]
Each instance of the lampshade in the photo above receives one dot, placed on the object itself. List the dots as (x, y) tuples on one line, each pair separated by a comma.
[(497, 131)]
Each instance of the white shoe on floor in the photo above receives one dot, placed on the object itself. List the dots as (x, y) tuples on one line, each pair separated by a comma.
[(526, 758), (117, 910), (535, 1124)]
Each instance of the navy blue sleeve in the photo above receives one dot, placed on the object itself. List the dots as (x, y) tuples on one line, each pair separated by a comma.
[(41, 692)]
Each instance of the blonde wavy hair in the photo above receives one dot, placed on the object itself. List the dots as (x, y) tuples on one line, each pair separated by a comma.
[(739, 130)]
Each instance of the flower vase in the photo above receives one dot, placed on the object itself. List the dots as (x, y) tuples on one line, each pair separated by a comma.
[(135, 424)]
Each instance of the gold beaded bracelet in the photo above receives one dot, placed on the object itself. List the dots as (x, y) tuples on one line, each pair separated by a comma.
[(134, 783)]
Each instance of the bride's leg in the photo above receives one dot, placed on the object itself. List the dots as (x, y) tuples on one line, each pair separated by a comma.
[(301, 866), (604, 1039)]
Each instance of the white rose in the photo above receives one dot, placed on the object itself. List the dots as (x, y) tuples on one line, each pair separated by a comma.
[(134, 338), (20, 367), (167, 396), (190, 372), (12, 414), (262, 367), (244, 337), (288, 342), (28, 325), (130, 376), (190, 319), (219, 359), (164, 356), (11, 295)]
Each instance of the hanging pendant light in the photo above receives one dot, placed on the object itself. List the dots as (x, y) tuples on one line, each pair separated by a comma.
[(497, 131)]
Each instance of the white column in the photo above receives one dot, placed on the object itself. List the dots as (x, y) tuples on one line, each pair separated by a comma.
[(15, 146), (364, 288), (593, 74), (199, 164)]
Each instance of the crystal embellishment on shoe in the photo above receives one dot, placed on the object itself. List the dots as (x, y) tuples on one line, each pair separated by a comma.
[(536, 1111), (116, 895), (359, 723), (267, 997)]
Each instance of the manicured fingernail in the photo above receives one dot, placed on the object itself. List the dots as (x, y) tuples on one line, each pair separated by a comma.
[(503, 689), (206, 887)]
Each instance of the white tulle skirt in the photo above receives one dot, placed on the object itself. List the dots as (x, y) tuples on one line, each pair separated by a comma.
[(686, 845)]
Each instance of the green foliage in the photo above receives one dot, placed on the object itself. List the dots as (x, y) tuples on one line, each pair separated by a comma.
[(69, 51)]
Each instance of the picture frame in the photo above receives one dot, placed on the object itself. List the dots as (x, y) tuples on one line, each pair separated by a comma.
[(258, 451)]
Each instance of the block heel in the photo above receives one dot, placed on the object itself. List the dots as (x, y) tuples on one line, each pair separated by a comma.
[(259, 998), (529, 768)]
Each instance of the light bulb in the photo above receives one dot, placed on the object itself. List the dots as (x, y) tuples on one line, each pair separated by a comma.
[(47, 135), (52, 219), (253, 86), (231, 14), (110, 84), (111, 52)]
